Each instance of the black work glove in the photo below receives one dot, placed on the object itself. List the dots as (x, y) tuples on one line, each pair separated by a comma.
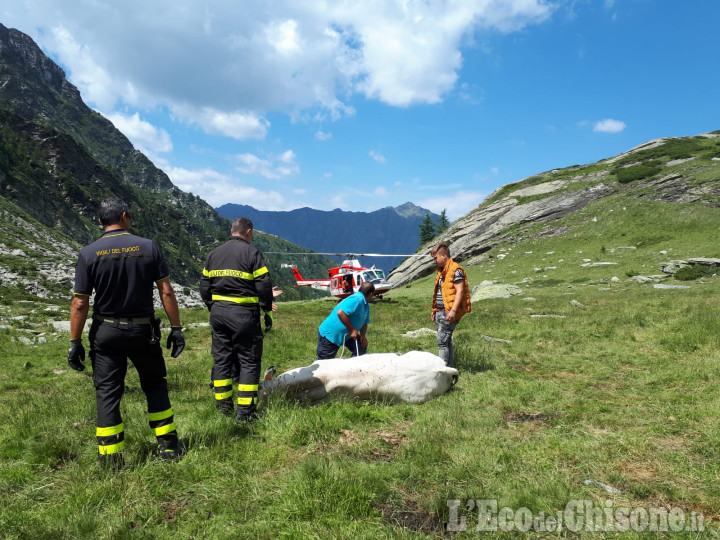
[(268, 318), (177, 340), (76, 355)]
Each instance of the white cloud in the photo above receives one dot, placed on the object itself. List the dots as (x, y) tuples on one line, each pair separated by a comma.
[(327, 175), (146, 137), (378, 157), (457, 204), (322, 136), (494, 170), (283, 36), (238, 125), (271, 167), (338, 201), (218, 189), (229, 64), (609, 126), (94, 82), (380, 191)]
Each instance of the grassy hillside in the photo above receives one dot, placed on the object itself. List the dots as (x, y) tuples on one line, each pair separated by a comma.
[(611, 400), (693, 160)]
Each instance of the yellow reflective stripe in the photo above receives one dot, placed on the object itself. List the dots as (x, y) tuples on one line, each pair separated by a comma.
[(206, 273), (164, 430), (108, 431), (224, 395), (228, 272), (247, 387), (247, 400), (160, 415), (222, 382), (111, 448), (260, 271), (237, 299), (120, 234)]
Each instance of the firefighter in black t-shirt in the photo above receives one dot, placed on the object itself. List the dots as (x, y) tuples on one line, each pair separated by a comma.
[(236, 286), (122, 268)]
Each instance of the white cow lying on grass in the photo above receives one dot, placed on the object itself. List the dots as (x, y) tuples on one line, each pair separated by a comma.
[(414, 377)]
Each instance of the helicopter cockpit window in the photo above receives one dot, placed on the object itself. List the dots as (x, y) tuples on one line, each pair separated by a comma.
[(369, 275)]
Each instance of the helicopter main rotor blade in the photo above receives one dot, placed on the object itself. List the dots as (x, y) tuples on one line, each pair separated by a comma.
[(349, 255)]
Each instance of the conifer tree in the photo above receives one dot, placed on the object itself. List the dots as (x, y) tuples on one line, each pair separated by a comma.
[(427, 230), (442, 223)]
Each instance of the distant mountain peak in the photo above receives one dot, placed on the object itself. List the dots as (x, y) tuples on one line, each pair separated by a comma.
[(411, 210)]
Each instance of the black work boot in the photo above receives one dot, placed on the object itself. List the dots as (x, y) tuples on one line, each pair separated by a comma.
[(225, 406), (169, 449), (111, 462), (246, 416)]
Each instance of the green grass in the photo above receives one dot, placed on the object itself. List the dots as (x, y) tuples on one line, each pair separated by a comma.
[(622, 391)]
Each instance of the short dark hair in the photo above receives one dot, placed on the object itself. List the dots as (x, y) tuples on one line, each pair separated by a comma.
[(441, 247), (111, 210), (241, 225), (366, 287)]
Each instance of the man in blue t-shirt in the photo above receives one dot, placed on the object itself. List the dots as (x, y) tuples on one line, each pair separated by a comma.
[(347, 324)]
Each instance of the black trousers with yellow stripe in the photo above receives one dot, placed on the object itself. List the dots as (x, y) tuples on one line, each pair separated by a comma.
[(110, 347), (237, 340)]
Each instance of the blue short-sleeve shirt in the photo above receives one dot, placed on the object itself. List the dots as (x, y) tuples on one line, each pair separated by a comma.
[(356, 308)]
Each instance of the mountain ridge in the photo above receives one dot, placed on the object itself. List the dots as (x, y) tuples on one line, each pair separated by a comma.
[(388, 230)]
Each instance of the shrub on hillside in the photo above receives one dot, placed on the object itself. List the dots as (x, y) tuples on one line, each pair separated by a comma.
[(671, 149), (688, 273), (636, 172)]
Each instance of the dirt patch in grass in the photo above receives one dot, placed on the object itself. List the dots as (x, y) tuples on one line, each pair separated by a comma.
[(525, 417), (637, 471), (568, 375), (411, 516), (710, 515), (386, 441), (673, 443), (608, 386), (348, 437), (172, 510)]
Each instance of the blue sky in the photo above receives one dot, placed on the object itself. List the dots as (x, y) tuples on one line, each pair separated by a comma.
[(363, 104)]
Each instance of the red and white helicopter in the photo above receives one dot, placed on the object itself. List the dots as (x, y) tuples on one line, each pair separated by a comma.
[(344, 280)]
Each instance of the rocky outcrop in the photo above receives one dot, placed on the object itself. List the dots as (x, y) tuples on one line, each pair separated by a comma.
[(671, 267), (493, 289), (487, 227)]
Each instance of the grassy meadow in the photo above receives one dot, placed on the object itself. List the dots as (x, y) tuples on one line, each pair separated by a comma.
[(611, 399)]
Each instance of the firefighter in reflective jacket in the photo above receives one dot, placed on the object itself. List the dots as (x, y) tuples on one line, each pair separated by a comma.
[(235, 286), (121, 269)]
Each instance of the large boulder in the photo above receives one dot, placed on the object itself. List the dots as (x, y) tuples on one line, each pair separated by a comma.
[(704, 261), (493, 289), (671, 267)]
